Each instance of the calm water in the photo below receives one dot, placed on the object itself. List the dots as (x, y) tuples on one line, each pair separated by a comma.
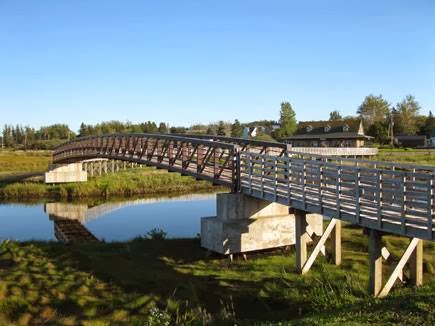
[(111, 221)]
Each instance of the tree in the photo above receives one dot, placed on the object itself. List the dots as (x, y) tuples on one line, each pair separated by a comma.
[(429, 125), (221, 129), (287, 121), (236, 129), (379, 130), (8, 137), (163, 128), (406, 116), (373, 109), (335, 115)]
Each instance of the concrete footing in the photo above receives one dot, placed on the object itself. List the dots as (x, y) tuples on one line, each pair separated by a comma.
[(245, 224), (62, 173)]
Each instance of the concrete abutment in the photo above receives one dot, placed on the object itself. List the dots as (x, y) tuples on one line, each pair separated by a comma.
[(63, 173), (244, 224)]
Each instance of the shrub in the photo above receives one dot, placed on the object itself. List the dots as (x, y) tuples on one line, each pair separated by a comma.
[(157, 234)]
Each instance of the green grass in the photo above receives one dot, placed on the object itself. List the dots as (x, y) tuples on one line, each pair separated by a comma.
[(407, 156), (134, 182), (158, 282), (14, 162), (142, 181)]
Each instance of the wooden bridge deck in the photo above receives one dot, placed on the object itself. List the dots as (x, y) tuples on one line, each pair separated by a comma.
[(388, 197)]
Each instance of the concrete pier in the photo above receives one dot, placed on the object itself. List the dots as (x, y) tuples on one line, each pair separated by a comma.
[(63, 173), (244, 224)]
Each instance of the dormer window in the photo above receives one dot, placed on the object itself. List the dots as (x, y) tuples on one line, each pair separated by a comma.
[(309, 128), (346, 128), (327, 128)]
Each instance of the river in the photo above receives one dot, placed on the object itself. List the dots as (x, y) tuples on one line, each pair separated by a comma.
[(123, 220)]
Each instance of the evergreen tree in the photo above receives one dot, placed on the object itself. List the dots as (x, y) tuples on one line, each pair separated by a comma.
[(236, 129), (287, 121), (335, 115), (163, 128), (221, 129), (428, 126)]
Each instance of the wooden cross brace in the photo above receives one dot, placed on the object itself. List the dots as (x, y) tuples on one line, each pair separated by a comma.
[(377, 253), (303, 236)]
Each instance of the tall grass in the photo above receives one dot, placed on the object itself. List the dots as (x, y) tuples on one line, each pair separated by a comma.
[(135, 182), (13, 162), (127, 183)]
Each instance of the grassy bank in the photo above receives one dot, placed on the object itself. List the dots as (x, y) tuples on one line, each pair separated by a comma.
[(142, 181), (407, 156), (15, 162), (162, 282), (136, 182)]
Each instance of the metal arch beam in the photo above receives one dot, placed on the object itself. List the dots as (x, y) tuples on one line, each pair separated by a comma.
[(192, 154), (245, 144)]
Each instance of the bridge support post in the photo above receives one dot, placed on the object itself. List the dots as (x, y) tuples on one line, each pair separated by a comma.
[(245, 224), (300, 239), (336, 243), (377, 253), (375, 262), (303, 237), (62, 173), (416, 265)]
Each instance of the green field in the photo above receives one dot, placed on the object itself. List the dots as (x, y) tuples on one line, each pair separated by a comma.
[(133, 182), (136, 182), (407, 156), (163, 282), (15, 162)]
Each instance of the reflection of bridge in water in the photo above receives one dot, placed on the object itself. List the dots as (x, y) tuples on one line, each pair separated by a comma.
[(70, 218)]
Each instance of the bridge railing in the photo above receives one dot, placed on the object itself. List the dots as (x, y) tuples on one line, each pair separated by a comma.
[(203, 159), (251, 145), (389, 197)]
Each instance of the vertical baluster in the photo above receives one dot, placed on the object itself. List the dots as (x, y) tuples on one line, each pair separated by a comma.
[(431, 207), (276, 177), (304, 183), (404, 199), (357, 195), (289, 179), (262, 175), (320, 199), (250, 171), (338, 191), (379, 198)]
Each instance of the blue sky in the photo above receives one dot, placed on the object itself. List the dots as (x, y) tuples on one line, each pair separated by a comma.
[(188, 62)]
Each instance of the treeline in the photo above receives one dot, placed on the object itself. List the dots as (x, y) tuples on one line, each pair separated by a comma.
[(383, 121), (111, 127), (25, 137)]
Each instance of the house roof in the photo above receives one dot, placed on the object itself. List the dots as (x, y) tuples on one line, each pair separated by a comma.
[(334, 135), (350, 128), (350, 125), (410, 137)]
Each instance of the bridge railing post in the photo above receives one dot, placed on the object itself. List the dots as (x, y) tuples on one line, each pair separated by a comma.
[(236, 170)]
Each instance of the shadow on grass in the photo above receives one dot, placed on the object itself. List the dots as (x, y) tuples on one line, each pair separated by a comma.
[(123, 281), (127, 282)]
